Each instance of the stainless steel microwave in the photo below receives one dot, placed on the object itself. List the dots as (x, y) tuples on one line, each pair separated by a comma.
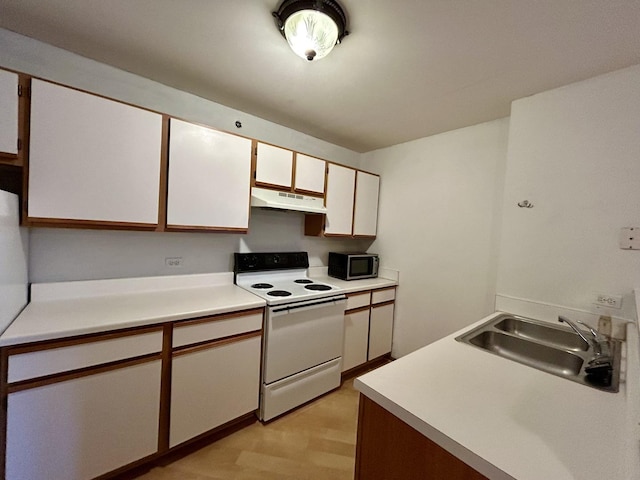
[(352, 265)]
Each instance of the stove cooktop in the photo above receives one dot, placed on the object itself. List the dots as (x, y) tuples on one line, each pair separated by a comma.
[(285, 286), (279, 278)]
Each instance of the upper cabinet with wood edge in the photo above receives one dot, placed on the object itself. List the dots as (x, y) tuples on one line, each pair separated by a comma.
[(339, 200), (282, 169), (274, 166), (352, 204), (92, 161), (9, 82), (209, 179), (310, 176), (365, 216)]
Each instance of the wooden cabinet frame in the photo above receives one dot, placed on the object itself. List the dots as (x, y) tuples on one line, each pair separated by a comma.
[(12, 165), (166, 352), (314, 224), (382, 359), (294, 160), (14, 177), (389, 449)]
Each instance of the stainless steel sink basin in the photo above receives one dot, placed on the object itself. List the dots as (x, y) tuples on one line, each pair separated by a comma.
[(549, 334), (552, 349)]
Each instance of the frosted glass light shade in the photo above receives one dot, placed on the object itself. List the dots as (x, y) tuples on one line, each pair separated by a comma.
[(311, 34)]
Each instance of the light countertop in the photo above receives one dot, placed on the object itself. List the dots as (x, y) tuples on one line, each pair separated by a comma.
[(510, 421), (67, 309), (387, 278)]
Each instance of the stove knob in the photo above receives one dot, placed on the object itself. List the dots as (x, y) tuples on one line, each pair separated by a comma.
[(276, 259), (252, 261)]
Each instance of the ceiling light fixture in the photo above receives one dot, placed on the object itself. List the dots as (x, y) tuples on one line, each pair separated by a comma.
[(312, 27)]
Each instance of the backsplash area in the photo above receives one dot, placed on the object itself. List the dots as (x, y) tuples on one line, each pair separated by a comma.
[(70, 254)]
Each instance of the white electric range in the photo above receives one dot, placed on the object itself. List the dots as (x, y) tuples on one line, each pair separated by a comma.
[(303, 331)]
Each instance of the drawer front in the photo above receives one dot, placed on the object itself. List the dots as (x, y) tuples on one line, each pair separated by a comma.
[(386, 295), (358, 300), (29, 365), (190, 333)]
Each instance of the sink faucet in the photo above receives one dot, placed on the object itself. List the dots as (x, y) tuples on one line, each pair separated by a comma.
[(598, 342)]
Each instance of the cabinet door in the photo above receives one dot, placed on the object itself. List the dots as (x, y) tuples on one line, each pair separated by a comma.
[(339, 202), (8, 112), (209, 178), (356, 339), (380, 330), (274, 166), (212, 386), (82, 428), (310, 174), (365, 218), (91, 158)]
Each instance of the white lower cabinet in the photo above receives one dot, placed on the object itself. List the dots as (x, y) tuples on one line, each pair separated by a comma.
[(212, 386), (356, 338), (368, 326), (84, 427), (380, 330)]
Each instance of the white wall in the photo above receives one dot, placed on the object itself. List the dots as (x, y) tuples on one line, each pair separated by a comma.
[(440, 202), (574, 152), (60, 255), (13, 260), (70, 254)]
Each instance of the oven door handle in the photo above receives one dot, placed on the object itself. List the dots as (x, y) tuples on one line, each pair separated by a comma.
[(308, 306)]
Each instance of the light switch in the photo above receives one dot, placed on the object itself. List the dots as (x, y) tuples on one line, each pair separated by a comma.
[(630, 238)]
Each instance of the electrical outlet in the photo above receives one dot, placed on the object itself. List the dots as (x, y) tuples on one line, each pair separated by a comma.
[(611, 301), (173, 262)]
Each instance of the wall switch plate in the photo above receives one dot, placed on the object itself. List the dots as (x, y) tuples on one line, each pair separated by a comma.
[(630, 238), (173, 262), (611, 301)]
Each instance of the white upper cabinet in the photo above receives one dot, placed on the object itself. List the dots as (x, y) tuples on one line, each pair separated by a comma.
[(365, 218), (209, 178), (274, 165), (8, 112), (91, 158), (310, 174), (339, 200)]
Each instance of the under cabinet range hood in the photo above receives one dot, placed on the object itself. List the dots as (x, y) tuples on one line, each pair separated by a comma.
[(264, 198)]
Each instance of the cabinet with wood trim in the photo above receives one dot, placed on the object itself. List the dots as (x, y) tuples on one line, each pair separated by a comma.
[(352, 205), (365, 215), (9, 82), (77, 409), (208, 180), (368, 327), (282, 169), (92, 161), (100, 404), (215, 373), (274, 166), (310, 176)]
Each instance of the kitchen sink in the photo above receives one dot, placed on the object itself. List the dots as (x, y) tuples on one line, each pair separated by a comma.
[(549, 334), (544, 346)]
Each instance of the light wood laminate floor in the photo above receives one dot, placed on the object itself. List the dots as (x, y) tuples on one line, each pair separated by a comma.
[(316, 441)]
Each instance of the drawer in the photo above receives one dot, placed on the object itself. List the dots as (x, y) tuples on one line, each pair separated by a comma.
[(203, 330), (24, 366), (383, 295), (358, 300)]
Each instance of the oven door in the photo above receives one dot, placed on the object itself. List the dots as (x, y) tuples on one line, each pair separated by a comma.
[(301, 336)]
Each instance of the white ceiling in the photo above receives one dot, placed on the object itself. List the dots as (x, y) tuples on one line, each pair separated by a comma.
[(409, 69)]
